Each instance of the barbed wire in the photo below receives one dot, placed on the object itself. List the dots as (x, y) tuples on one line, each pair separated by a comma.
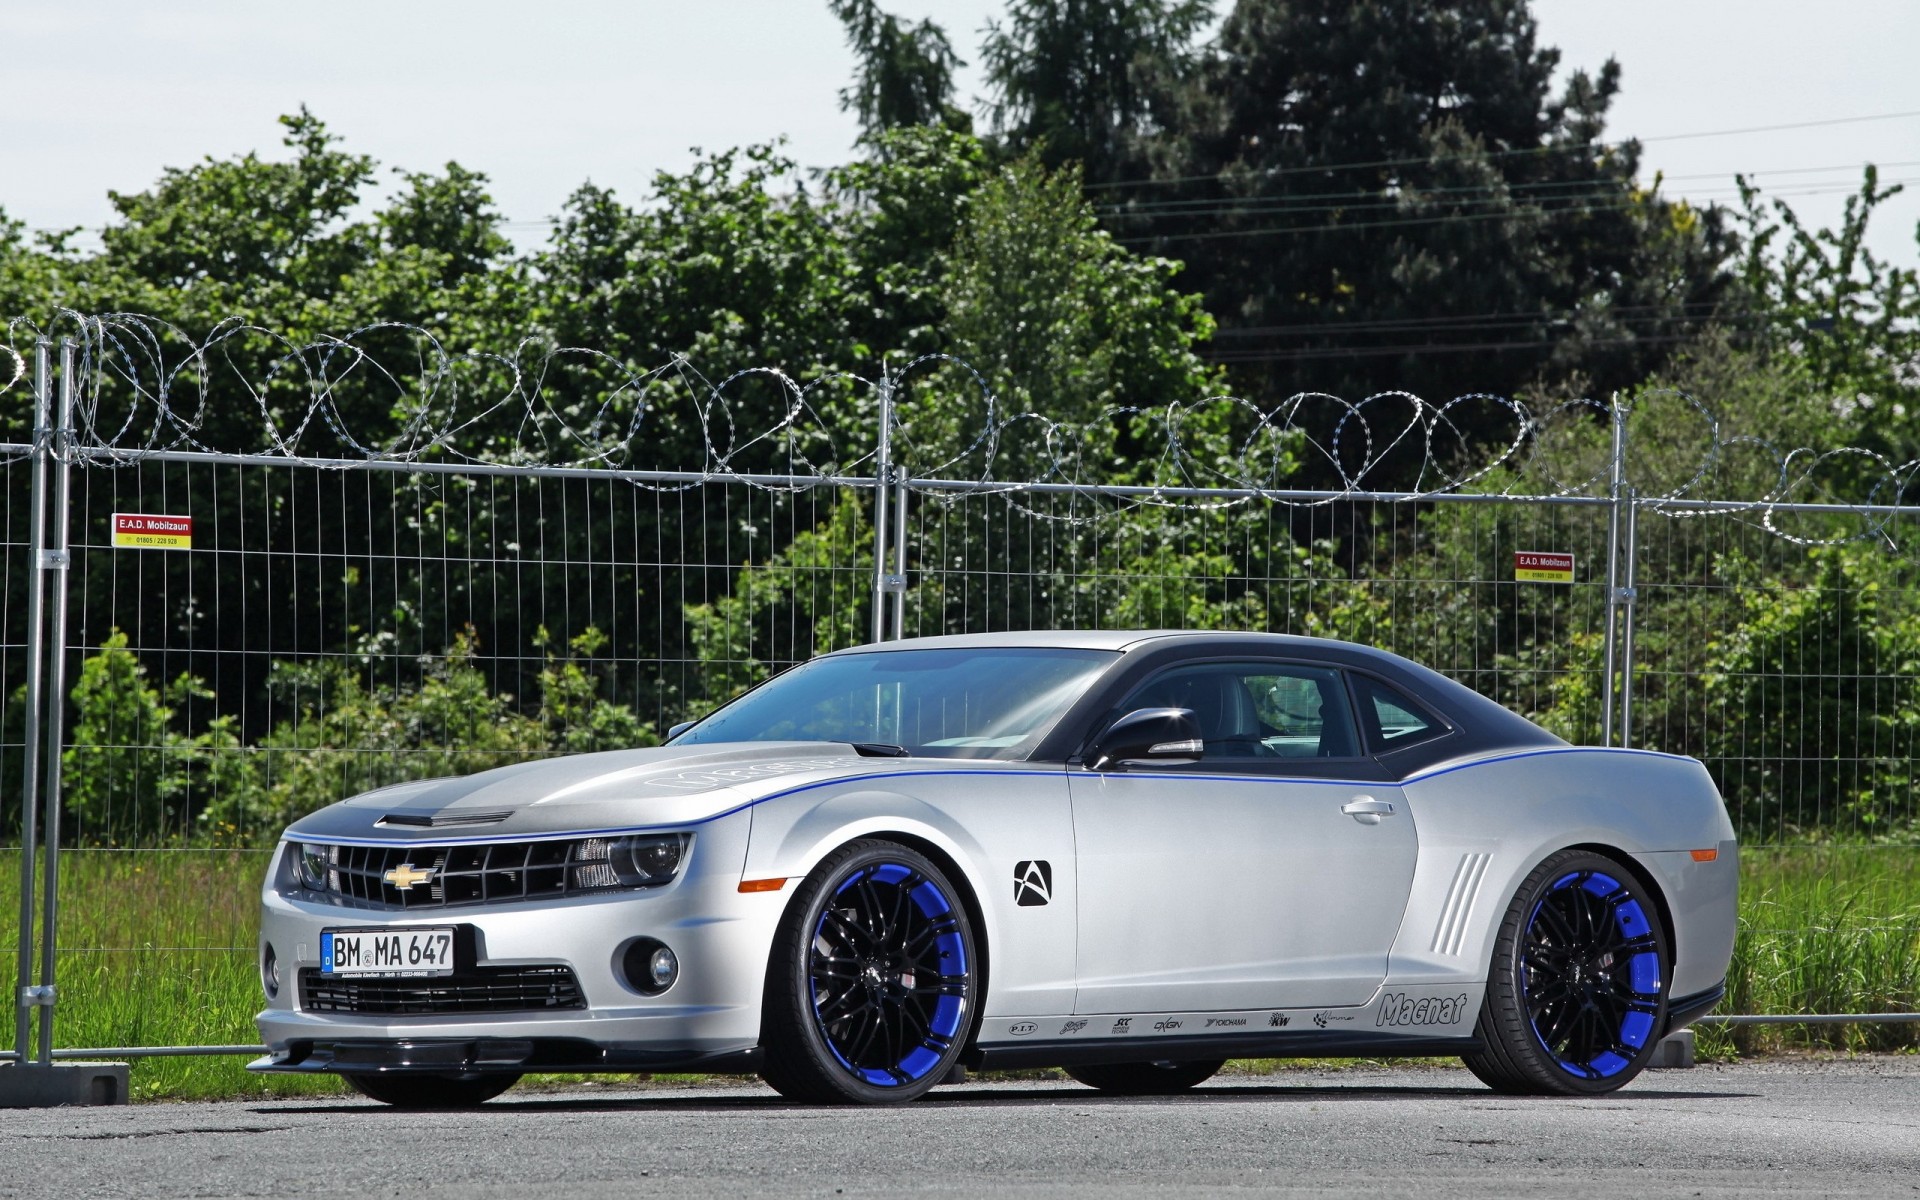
[(395, 393)]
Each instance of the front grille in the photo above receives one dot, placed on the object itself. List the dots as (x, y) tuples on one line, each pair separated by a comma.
[(479, 990), (477, 874)]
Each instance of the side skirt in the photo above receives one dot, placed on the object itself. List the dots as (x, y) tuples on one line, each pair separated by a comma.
[(1306, 1043)]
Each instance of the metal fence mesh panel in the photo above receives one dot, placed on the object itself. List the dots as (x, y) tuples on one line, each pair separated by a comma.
[(496, 609), (470, 596), (1788, 669), (1432, 581)]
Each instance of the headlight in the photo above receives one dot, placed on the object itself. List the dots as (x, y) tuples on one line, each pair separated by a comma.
[(642, 860), (314, 866)]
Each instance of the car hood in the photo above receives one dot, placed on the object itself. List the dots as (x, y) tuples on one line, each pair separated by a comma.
[(615, 789)]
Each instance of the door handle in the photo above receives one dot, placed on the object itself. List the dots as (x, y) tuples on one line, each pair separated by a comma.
[(1367, 810)]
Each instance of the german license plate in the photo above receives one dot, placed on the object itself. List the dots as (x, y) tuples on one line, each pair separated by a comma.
[(387, 951)]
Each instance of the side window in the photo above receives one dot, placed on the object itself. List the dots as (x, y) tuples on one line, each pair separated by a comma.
[(1393, 719), (1258, 710)]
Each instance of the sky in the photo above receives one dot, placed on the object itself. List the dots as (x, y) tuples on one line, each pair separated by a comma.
[(542, 97)]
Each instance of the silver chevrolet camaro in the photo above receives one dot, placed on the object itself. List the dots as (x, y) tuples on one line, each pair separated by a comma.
[(1131, 855)]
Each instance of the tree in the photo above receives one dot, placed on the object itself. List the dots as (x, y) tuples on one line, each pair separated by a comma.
[(1829, 309), (1087, 80), (1063, 322), (1377, 195), (905, 75)]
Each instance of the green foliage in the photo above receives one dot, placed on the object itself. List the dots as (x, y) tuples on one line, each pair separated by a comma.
[(811, 597), (1060, 320), (1087, 81), (128, 774), (133, 775), (1821, 679), (905, 73), (1845, 322)]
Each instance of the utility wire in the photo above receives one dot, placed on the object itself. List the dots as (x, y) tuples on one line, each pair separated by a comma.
[(1566, 148), (1415, 222), (1517, 190)]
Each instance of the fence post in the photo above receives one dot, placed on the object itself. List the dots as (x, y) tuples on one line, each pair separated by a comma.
[(27, 995), (1617, 488), (882, 479), (897, 582), (59, 558), (1629, 591)]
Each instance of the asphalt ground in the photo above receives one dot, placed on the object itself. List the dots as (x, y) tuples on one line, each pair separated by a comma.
[(1803, 1128)]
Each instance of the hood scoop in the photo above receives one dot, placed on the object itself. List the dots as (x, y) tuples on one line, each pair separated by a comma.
[(440, 820)]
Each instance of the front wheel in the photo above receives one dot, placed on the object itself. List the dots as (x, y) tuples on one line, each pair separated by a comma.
[(872, 981), (1147, 1078), (1578, 988), (431, 1091)]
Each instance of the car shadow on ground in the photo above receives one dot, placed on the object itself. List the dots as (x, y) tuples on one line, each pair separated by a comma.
[(692, 1101)]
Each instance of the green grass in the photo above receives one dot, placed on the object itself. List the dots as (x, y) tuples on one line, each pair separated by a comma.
[(158, 949), (1824, 929)]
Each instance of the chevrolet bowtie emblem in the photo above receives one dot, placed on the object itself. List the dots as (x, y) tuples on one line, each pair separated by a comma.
[(406, 875)]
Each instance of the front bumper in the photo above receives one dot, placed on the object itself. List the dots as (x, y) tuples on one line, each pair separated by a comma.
[(709, 1018), (494, 1055)]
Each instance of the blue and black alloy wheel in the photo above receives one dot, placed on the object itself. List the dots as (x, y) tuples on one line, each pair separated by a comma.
[(877, 967), (1577, 996), (1591, 972), (889, 972)]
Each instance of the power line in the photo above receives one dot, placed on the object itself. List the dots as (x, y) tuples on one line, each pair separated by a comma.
[(1567, 148), (1414, 222), (1314, 353), (1628, 313), (1215, 203)]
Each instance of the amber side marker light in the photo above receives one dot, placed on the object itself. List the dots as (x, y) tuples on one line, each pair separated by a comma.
[(1698, 856), (774, 885)]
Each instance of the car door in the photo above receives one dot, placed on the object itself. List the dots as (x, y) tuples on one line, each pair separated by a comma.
[(1273, 872)]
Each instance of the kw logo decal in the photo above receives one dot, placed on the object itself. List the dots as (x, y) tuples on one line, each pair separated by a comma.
[(406, 875), (1032, 883)]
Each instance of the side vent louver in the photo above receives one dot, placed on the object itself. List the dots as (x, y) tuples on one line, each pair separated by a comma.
[(1451, 930)]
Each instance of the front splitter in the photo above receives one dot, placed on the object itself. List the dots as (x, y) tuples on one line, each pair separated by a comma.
[(484, 1056)]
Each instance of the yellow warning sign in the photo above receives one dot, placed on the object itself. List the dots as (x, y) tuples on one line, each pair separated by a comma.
[(148, 531), (1534, 566)]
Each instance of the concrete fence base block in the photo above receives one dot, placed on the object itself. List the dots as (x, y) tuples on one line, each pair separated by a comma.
[(64, 1083), (1674, 1051)]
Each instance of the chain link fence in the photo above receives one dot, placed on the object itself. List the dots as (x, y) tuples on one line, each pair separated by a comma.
[(406, 562)]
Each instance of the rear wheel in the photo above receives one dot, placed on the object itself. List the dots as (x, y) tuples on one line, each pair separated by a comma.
[(431, 1091), (871, 986), (1147, 1078), (1578, 988)]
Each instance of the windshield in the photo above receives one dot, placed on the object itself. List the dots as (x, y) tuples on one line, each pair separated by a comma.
[(977, 703)]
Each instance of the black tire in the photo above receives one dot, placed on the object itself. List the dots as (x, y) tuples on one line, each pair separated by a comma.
[(432, 1091), (872, 984), (1577, 993), (1147, 1078)]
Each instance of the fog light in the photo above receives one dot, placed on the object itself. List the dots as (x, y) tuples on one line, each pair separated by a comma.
[(270, 972), (663, 968), (650, 967)]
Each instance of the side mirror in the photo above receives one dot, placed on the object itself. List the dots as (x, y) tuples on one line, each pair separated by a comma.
[(674, 731), (1148, 735)]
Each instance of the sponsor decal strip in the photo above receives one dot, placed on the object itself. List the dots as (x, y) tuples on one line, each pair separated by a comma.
[(1442, 1007)]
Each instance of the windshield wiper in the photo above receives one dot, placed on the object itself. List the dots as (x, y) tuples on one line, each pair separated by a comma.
[(879, 750)]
